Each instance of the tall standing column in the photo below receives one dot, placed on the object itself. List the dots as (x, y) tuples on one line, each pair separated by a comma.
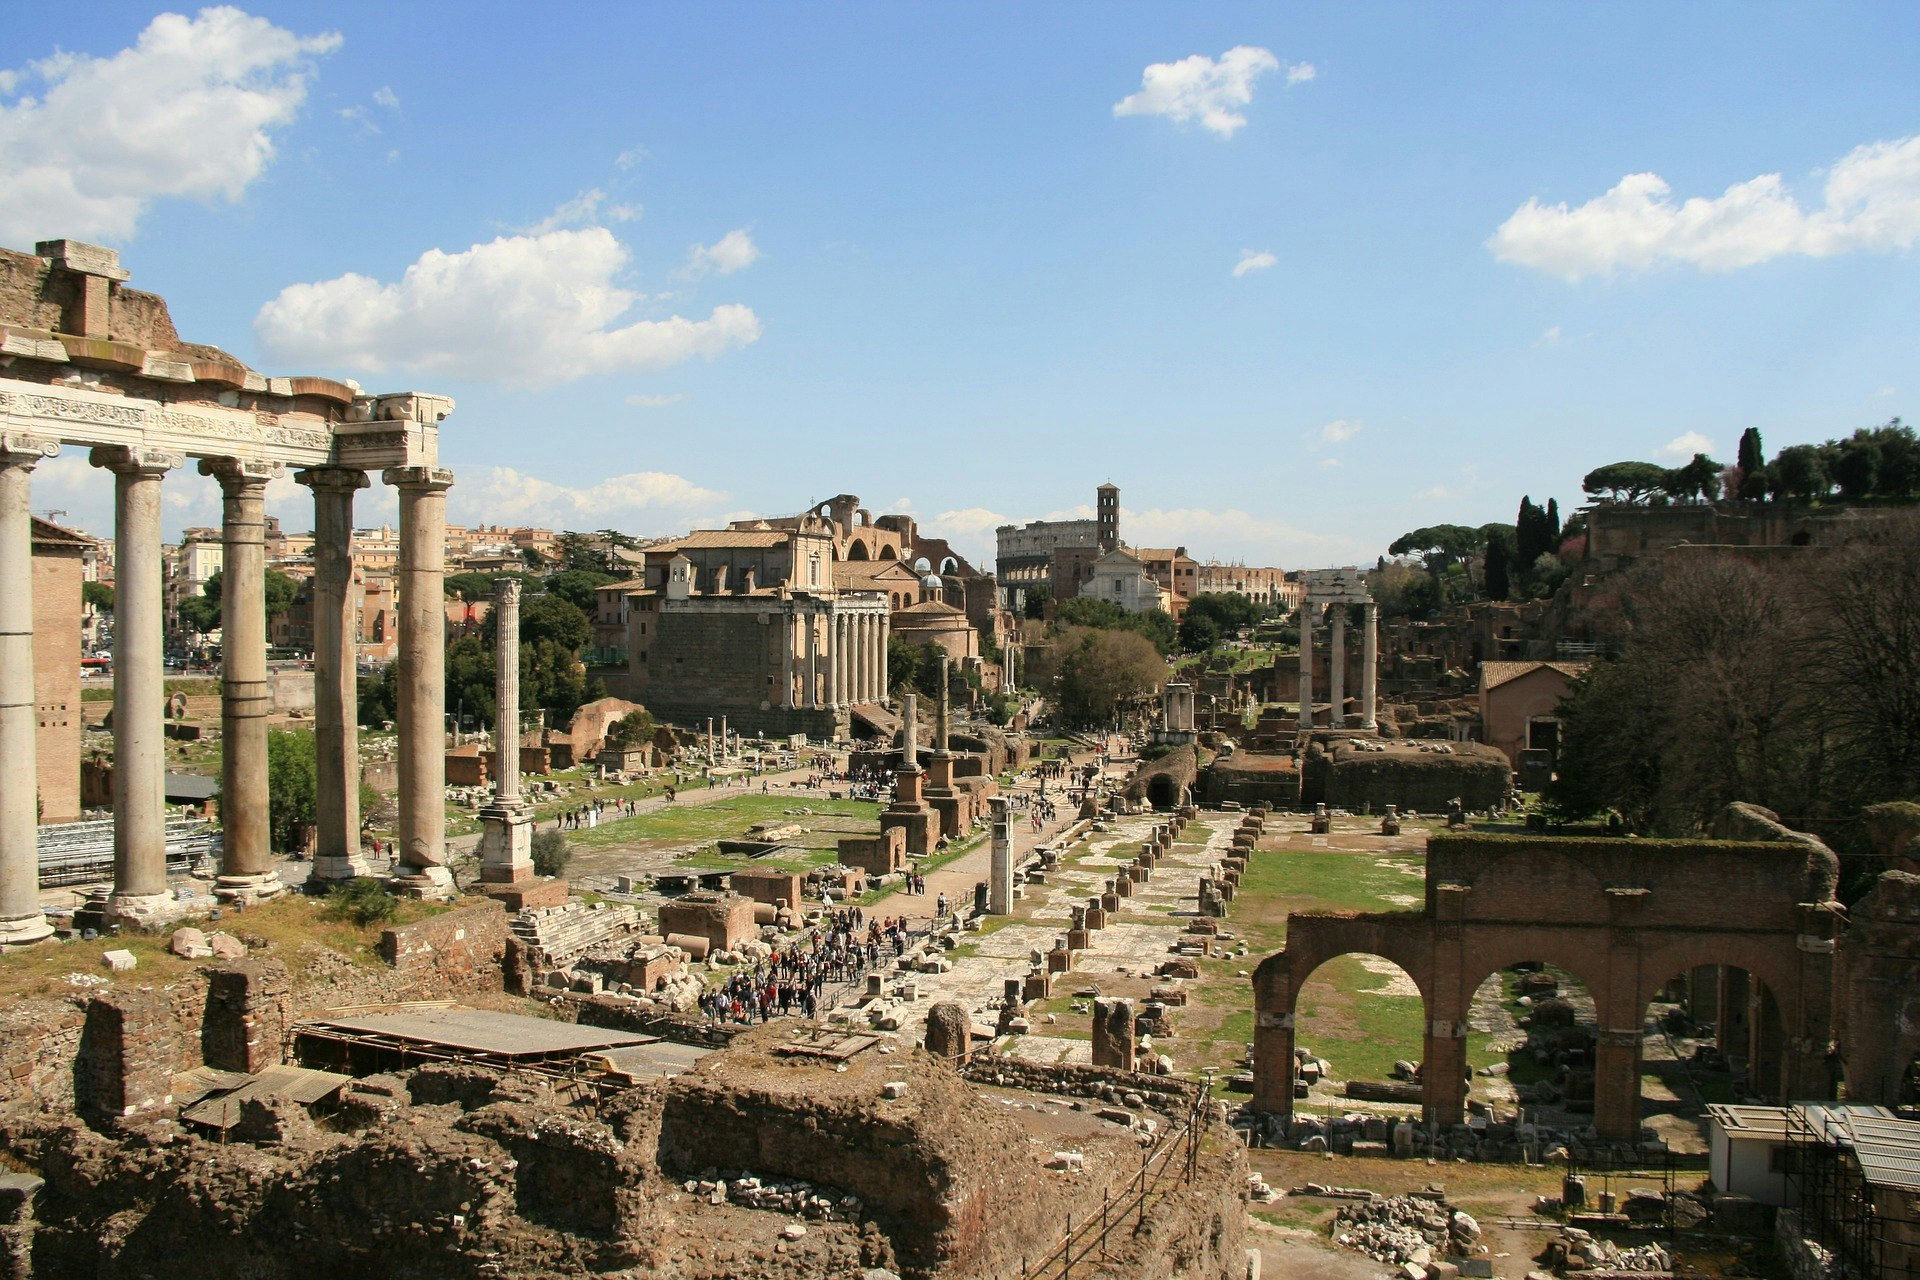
[(1000, 867), (246, 851), (836, 686), (1337, 666), (1369, 664), (810, 670), (886, 671), (337, 853), (422, 678), (863, 628), (786, 661), (506, 825), (21, 920), (139, 685), (1306, 665)]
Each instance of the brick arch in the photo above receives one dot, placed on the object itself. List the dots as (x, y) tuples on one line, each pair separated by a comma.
[(1566, 956), (1775, 966), (1312, 941)]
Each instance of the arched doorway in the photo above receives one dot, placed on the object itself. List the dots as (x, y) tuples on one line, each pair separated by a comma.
[(1359, 1022), (1540, 1028), (1710, 1034)]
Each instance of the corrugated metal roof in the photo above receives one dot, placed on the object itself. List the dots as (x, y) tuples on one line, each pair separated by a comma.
[(301, 1084), (1888, 1151)]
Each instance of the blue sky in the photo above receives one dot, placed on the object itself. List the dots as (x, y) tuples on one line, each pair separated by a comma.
[(683, 262)]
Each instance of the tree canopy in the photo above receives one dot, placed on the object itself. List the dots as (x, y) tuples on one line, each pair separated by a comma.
[(1625, 481), (201, 614)]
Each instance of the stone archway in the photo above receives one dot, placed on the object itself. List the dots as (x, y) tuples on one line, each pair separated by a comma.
[(1622, 915)]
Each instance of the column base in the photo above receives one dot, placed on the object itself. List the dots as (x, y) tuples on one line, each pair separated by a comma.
[(141, 909), (433, 883), (250, 888), (24, 931), (506, 843), (337, 870)]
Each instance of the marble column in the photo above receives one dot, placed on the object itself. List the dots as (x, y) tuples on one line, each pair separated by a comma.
[(337, 853), (810, 669), (1337, 666), (836, 651), (866, 659), (786, 661), (1306, 666), (139, 685), (506, 825), (1369, 664), (422, 689), (886, 670), (1000, 867), (246, 847), (910, 734), (21, 920)]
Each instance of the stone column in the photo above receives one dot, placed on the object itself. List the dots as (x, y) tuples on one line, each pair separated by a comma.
[(337, 852), (810, 669), (1369, 665), (422, 698), (1306, 665), (942, 712), (21, 920), (870, 651), (885, 670), (139, 684), (910, 734), (836, 651), (786, 661), (1337, 666), (506, 832), (246, 849), (1000, 870)]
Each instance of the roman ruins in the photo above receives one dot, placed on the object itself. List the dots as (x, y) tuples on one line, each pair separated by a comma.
[(93, 364)]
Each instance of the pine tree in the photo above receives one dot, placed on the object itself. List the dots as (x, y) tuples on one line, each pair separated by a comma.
[(1752, 456), (1553, 525), (1499, 586)]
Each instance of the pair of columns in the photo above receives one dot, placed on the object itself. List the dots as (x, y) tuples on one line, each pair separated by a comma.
[(140, 890), (1337, 663), (846, 649)]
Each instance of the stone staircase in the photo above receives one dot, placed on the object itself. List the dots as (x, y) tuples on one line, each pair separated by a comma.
[(557, 936)]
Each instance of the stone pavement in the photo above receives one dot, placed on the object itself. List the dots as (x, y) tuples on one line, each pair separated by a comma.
[(1137, 938)]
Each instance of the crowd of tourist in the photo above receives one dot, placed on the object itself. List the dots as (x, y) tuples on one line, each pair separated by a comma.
[(794, 979)]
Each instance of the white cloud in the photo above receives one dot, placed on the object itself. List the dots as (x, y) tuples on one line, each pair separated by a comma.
[(1438, 493), (656, 402), (1872, 202), (1339, 431), (1683, 447), (641, 502), (384, 96), (529, 311), (1199, 88), (1329, 462), (732, 252), (1252, 261), (588, 209), (629, 158), (188, 111), (1549, 338)]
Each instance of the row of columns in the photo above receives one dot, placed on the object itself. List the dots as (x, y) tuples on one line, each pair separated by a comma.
[(851, 658), (139, 889), (1337, 663)]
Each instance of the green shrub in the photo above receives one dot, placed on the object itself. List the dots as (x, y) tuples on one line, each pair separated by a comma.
[(550, 852), (362, 901)]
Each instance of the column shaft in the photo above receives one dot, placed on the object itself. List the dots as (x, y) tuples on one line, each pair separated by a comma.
[(422, 676), (139, 684), (1337, 667), (1369, 666), (246, 857), (336, 705), (506, 688), (836, 688), (21, 920), (786, 661), (885, 669), (1306, 665), (810, 671)]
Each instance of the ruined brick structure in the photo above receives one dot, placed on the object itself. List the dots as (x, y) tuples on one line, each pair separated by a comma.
[(1624, 917)]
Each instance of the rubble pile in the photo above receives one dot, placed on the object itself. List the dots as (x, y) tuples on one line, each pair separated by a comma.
[(801, 1199), (1417, 1229), (1481, 1138), (1578, 1250)]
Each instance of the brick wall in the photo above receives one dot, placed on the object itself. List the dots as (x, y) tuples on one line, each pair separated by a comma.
[(462, 948)]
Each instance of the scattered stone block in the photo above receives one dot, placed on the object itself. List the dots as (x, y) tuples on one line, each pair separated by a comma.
[(120, 961)]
